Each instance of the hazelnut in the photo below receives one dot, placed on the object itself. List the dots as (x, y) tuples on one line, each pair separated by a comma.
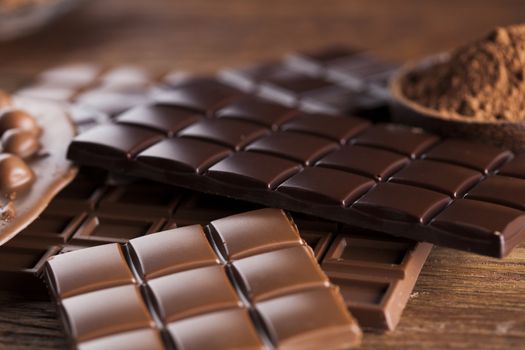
[(18, 119), (20, 142), (15, 174)]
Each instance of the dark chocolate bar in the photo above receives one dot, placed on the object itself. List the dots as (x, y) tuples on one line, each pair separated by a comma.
[(355, 84), (334, 80), (376, 285), (244, 281), (383, 177)]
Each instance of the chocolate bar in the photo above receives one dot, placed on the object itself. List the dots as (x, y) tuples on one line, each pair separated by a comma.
[(334, 80), (33, 167), (244, 281), (92, 87), (384, 177), (355, 84), (92, 211), (21, 267)]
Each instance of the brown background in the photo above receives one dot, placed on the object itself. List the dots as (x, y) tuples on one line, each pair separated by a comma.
[(461, 300)]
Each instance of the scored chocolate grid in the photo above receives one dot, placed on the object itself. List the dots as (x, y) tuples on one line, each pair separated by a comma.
[(358, 81), (113, 89), (291, 149), (89, 196), (96, 91), (153, 274)]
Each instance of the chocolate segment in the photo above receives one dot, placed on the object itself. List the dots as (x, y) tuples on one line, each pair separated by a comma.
[(242, 168), (288, 333), (339, 168), (123, 310), (203, 95), (379, 164), (391, 137), (107, 257), (257, 110), (481, 220), (188, 293), (133, 340), (314, 185), (403, 203), (230, 321), (338, 129), (502, 190), (450, 179), (160, 117), (199, 301), (477, 156), (304, 149)]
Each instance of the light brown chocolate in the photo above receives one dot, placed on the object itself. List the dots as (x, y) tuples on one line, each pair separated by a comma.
[(273, 297), (52, 170)]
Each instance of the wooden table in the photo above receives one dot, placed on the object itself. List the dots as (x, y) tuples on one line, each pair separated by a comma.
[(461, 300)]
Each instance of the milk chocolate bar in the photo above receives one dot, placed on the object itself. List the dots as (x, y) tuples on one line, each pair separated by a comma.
[(209, 137), (33, 167), (375, 272), (244, 281)]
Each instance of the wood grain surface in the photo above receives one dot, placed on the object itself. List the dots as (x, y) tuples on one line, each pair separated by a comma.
[(461, 301)]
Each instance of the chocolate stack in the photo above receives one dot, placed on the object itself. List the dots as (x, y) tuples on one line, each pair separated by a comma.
[(163, 235)]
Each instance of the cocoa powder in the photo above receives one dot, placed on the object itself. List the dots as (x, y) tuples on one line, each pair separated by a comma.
[(484, 80)]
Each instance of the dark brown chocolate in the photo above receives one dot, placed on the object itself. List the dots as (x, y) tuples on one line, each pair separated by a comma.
[(218, 286), (288, 162)]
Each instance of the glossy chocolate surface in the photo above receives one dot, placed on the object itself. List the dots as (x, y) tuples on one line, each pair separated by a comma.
[(114, 289), (135, 209), (88, 198), (382, 176)]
